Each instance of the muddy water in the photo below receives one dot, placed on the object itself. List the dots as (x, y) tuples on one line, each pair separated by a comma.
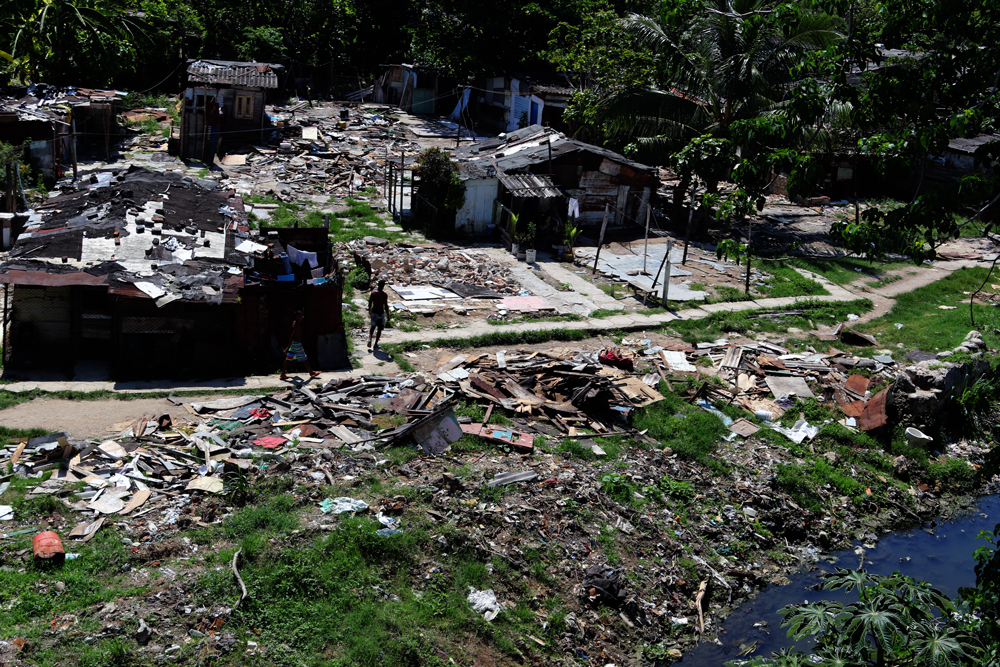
[(941, 555)]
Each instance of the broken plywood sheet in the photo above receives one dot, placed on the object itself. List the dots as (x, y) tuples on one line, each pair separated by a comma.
[(638, 391), (207, 484), (782, 387), (744, 427)]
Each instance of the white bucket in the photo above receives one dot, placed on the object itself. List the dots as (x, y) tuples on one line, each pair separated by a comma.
[(529, 255), (513, 249)]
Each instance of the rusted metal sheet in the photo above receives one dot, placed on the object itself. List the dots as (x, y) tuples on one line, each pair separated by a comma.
[(256, 75), (858, 383), (45, 279), (873, 414), (404, 400)]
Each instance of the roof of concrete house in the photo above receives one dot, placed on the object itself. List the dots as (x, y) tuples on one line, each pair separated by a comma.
[(162, 221), (232, 73), (517, 151)]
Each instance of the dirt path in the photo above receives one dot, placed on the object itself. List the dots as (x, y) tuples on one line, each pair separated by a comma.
[(88, 419), (911, 278)]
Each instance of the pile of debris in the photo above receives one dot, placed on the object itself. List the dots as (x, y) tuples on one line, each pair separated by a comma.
[(329, 151), (679, 569), (464, 272)]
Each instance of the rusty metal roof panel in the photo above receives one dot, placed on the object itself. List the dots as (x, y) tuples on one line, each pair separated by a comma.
[(230, 73)]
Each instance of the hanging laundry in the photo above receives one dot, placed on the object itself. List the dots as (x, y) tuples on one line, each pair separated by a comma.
[(300, 257), (574, 208)]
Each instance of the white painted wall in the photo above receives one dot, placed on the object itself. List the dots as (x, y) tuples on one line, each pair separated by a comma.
[(477, 211)]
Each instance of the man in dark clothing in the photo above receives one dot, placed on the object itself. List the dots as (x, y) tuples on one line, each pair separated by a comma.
[(378, 309)]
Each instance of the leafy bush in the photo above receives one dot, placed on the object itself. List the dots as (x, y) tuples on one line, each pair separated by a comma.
[(618, 487), (896, 621), (954, 474)]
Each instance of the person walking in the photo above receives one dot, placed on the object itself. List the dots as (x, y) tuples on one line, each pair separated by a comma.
[(294, 351), (378, 310)]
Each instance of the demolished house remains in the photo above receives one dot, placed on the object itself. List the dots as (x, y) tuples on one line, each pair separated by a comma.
[(60, 124), (149, 274), (540, 173)]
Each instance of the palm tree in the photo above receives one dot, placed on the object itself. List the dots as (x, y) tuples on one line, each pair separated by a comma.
[(44, 33), (732, 61)]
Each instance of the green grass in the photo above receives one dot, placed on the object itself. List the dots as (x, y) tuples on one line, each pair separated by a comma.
[(785, 281), (843, 270), (99, 575), (687, 430), (526, 320), (494, 338), (601, 313), (742, 322), (929, 328), (888, 280), (352, 597)]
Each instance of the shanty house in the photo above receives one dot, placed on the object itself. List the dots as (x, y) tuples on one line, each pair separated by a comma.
[(148, 274), (410, 87), (239, 89), (537, 171), (60, 124)]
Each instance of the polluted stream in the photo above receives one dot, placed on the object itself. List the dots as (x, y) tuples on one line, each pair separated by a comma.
[(941, 554)]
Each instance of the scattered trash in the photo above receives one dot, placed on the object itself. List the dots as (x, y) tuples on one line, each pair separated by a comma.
[(484, 602), (342, 505)]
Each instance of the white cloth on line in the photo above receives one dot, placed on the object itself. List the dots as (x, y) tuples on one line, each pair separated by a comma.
[(300, 257), (574, 208)]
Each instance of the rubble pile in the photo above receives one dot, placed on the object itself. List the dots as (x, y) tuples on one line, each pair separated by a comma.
[(458, 270), (536, 483), (317, 155)]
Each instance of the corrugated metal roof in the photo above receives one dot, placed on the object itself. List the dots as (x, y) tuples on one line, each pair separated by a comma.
[(530, 146), (530, 185), (252, 75), (971, 144)]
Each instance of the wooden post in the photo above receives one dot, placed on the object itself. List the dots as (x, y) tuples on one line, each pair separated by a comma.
[(72, 145), (645, 246), (402, 181), (749, 238), (666, 258), (600, 241), (687, 234), (458, 137), (392, 188), (666, 273)]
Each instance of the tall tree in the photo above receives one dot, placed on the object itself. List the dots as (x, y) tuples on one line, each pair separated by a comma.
[(65, 41)]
